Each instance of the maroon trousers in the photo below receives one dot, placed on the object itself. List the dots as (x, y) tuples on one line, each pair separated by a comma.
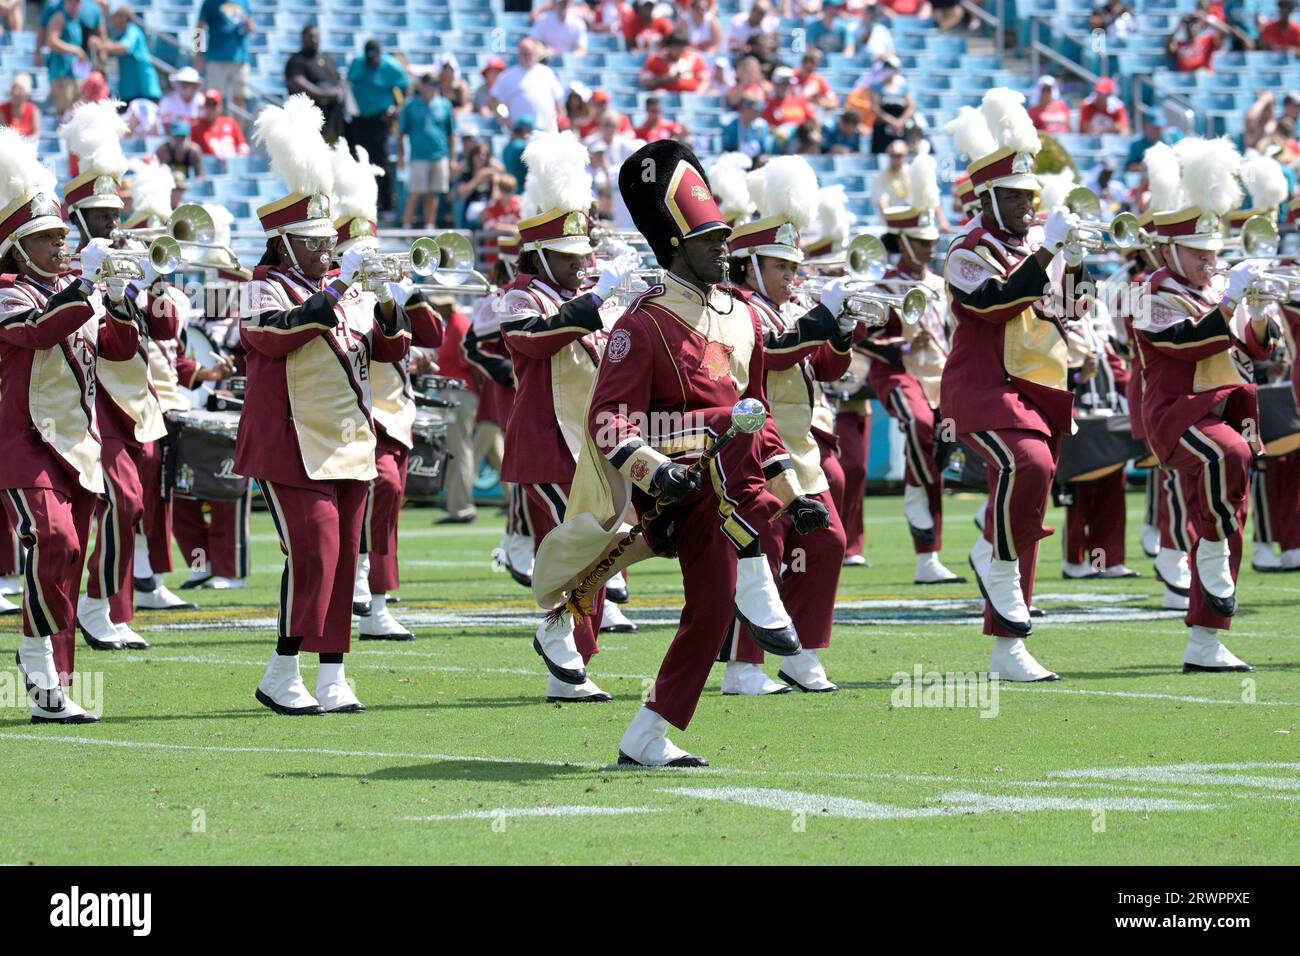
[(54, 527), (807, 585), (1214, 461), (157, 509), (383, 508), (1095, 522), (10, 549), (320, 535), (112, 562), (546, 505), (1020, 465), (853, 429), (1171, 510), (906, 402), (1275, 486), (221, 543)]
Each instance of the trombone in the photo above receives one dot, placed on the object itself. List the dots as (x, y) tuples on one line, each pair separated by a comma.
[(866, 262), (192, 228), (448, 259)]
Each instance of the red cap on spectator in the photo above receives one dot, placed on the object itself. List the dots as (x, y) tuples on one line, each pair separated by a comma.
[(94, 87), (1104, 86), (496, 63), (600, 96), (212, 96)]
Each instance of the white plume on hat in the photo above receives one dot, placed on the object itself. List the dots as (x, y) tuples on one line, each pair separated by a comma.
[(94, 132), (970, 134), (151, 189), (291, 135), (1056, 186), (1210, 173), (356, 191), (923, 183), (558, 177), (834, 221), (1165, 177), (1008, 120), (730, 187), (786, 187), (21, 170), (1264, 181)]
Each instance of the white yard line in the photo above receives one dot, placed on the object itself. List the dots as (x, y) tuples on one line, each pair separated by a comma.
[(505, 813)]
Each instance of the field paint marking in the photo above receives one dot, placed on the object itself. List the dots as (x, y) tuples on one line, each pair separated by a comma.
[(1193, 773), (560, 811), (1136, 695), (990, 803)]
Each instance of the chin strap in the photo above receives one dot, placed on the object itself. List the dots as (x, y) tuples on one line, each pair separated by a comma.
[(32, 265), (997, 210), (907, 248), (546, 267), (757, 274)]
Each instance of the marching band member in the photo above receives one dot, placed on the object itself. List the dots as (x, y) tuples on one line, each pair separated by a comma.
[(1198, 409), (1276, 480), (907, 366), (556, 338), (801, 347), (356, 211), (1004, 386), (129, 415), (678, 359), (53, 330), (306, 432)]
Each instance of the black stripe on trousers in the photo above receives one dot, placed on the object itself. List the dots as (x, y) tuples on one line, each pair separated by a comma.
[(1177, 509), (32, 597), (1227, 520), (1001, 533), (1263, 524), (910, 438), (553, 495)]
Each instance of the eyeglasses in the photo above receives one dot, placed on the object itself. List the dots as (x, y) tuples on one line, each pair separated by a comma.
[(318, 243)]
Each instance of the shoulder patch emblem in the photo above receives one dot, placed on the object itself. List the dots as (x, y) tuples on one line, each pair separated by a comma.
[(620, 344)]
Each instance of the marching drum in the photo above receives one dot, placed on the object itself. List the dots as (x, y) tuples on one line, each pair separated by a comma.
[(1279, 420), (1100, 447), (427, 466), (202, 462)]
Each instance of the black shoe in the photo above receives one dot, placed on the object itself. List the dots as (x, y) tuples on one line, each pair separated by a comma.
[(601, 698), (561, 673), (1226, 607), (628, 628), (1202, 669), (408, 636), (357, 708), (955, 579), (1019, 630), (781, 641), (16, 609), (189, 583), (266, 701), (807, 690), (394, 599), (144, 584), (95, 644), (71, 719), (454, 519), (617, 595), (360, 608), (1036, 612), (520, 578), (689, 760)]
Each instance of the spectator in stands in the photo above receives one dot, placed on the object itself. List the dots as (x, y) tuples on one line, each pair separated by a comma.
[(675, 67), (20, 113), (599, 107), (12, 16), (512, 155), (1281, 143), (502, 211), (609, 16), (1104, 180), (892, 105), (749, 28), (67, 42), (450, 85), (812, 85), (1194, 42), (530, 89), (702, 27), (1153, 131), (1260, 120), (611, 136), (136, 77), (1103, 112), (604, 180), (185, 102), (142, 119), (844, 135), (656, 125), (750, 83), (482, 101), (1050, 112), (832, 32), (1115, 19), (804, 139), (312, 72), (561, 30), (643, 30), (577, 108), (429, 133), (477, 181), (217, 134), (1281, 34), (378, 82), (787, 107), (948, 14), (180, 153), (93, 89), (227, 25), (890, 185), (748, 132)]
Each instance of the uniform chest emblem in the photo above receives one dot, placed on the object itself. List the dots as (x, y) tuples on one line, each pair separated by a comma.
[(620, 344), (716, 360)]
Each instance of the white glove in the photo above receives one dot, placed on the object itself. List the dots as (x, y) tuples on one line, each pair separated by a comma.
[(1059, 223), (92, 258), (151, 275), (1240, 277), (400, 292), (352, 260), (834, 296), (614, 273), (116, 289)]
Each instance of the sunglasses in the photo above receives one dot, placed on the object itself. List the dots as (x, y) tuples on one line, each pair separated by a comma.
[(318, 243)]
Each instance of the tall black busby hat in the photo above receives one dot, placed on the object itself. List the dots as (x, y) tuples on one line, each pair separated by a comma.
[(668, 195)]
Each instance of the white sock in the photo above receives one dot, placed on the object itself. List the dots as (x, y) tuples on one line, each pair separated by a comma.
[(330, 674)]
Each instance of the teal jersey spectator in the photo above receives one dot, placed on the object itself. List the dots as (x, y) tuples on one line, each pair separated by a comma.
[(429, 127), (1138, 148), (835, 38), (136, 76), (227, 31), (373, 88), (1245, 15), (833, 134), (512, 158), (91, 16), (752, 140), (74, 32)]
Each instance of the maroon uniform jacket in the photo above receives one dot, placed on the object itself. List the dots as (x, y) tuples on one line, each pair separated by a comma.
[(485, 350), (50, 340), (163, 324), (1291, 312), (888, 345), (1188, 367), (1133, 389)]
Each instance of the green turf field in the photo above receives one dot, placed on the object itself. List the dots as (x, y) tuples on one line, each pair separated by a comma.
[(459, 760)]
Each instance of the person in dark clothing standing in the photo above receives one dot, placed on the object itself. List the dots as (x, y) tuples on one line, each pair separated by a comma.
[(314, 73), (378, 83)]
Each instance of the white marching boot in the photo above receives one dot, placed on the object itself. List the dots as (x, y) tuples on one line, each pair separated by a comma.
[(96, 627), (217, 583), (555, 643), (1173, 569), (7, 606), (1072, 571), (980, 556), (334, 693), (130, 639), (613, 621), (930, 570), (50, 703), (748, 680), (645, 743), (198, 578), (1215, 570), (380, 625), (1012, 661), (519, 558), (758, 604), (1291, 560), (1173, 601), (806, 672), (282, 689), (1206, 653), (854, 561), (1001, 586), (361, 588), (1264, 558), (1150, 540), (11, 584), (558, 692), (1119, 571), (916, 506), (161, 598)]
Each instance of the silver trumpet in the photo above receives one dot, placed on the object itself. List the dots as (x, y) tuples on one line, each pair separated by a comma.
[(866, 261), (448, 259), (193, 229), (164, 253)]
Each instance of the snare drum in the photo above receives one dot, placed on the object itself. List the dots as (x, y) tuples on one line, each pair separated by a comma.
[(427, 466), (1279, 421), (1100, 447), (203, 463)]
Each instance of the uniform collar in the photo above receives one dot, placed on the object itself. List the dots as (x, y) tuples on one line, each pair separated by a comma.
[(1003, 236), (689, 291)]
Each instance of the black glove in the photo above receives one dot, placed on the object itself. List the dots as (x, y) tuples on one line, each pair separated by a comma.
[(808, 514), (674, 481)]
